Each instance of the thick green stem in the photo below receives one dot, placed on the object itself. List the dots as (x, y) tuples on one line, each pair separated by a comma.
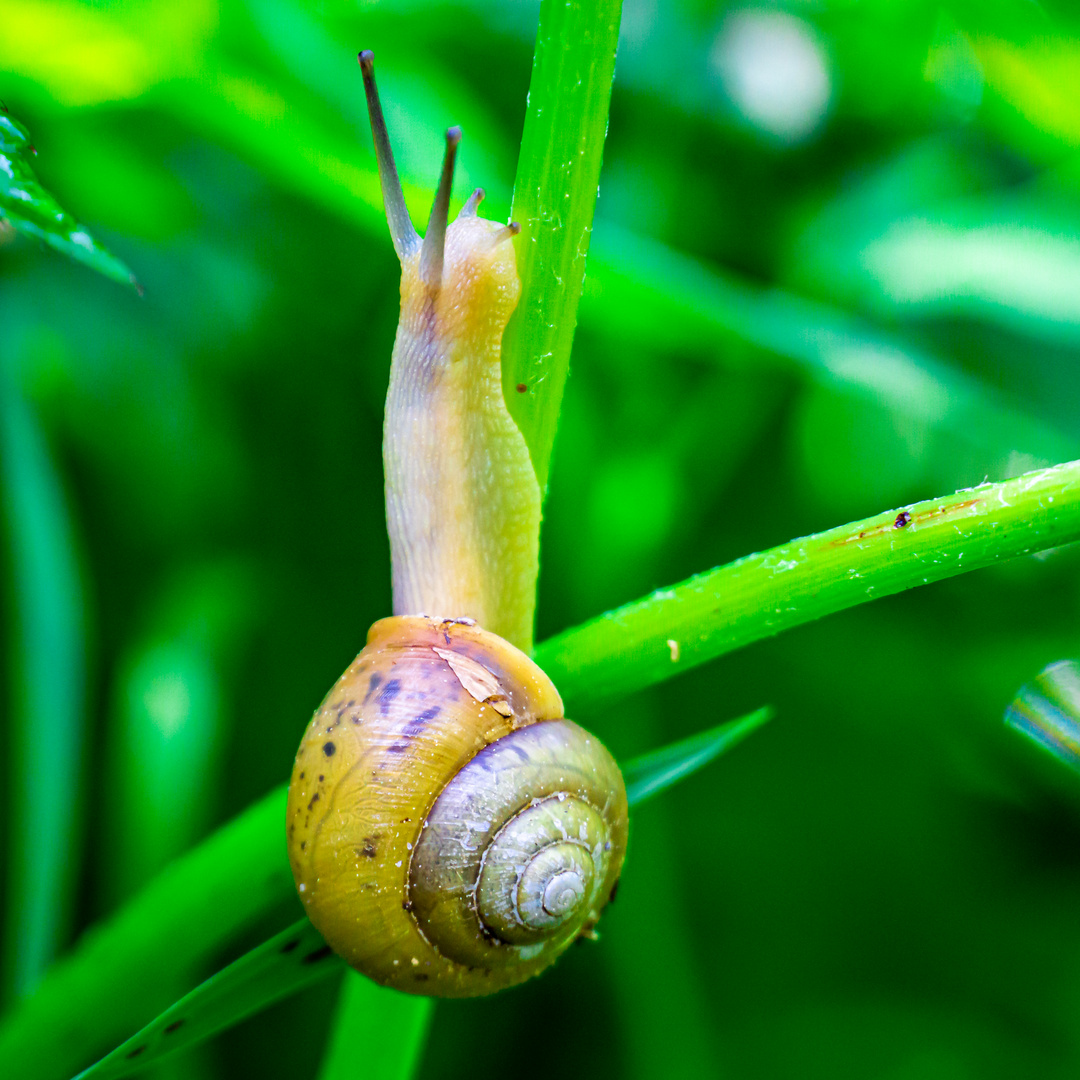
[(755, 597), (554, 198)]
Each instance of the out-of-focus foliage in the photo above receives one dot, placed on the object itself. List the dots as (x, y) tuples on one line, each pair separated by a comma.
[(836, 268), (1047, 710), (25, 205)]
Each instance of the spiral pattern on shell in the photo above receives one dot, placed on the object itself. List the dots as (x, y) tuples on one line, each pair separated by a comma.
[(449, 831)]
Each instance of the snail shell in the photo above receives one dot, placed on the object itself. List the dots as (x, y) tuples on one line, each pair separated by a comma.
[(449, 831)]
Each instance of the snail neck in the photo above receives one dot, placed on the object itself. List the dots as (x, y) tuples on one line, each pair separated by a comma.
[(462, 498)]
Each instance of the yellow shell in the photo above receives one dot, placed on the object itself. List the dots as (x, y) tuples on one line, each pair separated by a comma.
[(449, 832)]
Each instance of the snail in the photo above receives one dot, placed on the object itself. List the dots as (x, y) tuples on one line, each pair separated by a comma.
[(449, 831)]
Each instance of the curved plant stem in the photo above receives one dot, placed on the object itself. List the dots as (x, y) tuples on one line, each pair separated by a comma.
[(554, 198), (760, 595)]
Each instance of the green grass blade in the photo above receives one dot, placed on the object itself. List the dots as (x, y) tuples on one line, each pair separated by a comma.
[(554, 198), (755, 597), (387, 1026), (32, 210), (378, 1033), (288, 962), (652, 773), (122, 972), (47, 706)]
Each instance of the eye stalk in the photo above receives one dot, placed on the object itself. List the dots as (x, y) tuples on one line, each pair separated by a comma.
[(402, 232), (434, 246)]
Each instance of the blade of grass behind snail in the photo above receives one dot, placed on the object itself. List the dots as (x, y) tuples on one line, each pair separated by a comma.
[(106, 986), (647, 776), (562, 147), (124, 969), (297, 957), (47, 670), (366, 1012)]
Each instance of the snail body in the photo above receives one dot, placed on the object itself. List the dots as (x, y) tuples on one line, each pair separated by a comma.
[(449, 831), (462, 498)]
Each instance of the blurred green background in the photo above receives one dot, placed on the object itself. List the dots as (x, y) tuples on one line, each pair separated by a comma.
[(836, 267)]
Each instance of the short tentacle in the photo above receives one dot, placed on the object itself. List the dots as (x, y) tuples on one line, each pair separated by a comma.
[(507, 232), (470, 207)]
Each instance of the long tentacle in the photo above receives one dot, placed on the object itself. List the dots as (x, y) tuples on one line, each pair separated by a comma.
[(402, 231)]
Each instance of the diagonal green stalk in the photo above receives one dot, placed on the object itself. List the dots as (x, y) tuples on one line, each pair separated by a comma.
[(760, 595), (649, 775), (100, 993), (288, 962), (558, 172)]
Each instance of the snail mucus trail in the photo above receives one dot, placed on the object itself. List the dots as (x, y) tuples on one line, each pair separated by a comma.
[(450, 832)]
